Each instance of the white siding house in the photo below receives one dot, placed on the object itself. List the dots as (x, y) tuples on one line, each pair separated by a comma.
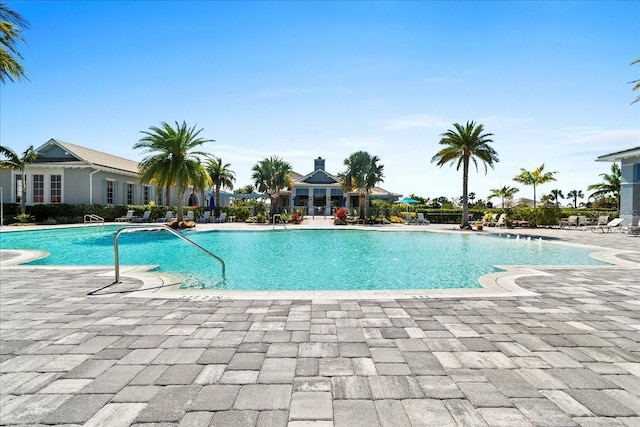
[(71, 174)]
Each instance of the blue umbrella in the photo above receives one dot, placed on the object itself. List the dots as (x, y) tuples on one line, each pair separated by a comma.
[(212, 203), (407, 201)]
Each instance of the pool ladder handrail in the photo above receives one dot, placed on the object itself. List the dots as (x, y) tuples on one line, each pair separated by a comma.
[(159, 227), (281, 221), (93, 219)]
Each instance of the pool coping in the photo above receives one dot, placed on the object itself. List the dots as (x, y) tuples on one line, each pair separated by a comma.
[(498, 284)]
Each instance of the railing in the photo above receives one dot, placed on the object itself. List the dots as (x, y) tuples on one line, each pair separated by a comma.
[(93, 219), (278, 216), (134, 228)]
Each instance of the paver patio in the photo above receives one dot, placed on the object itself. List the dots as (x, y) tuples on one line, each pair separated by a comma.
[(568, 355)]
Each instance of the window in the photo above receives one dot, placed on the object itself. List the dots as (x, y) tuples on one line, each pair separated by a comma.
[(38, 188), (145, 195), (18, 188), (129, 192), (110, 187), (636, 172), (56, 189)]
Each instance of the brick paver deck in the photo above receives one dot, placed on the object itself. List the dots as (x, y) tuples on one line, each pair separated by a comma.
[(567, 356)]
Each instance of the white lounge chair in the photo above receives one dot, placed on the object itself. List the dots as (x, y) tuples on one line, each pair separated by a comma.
[(189, 216), (221, 218), (422, 220), (572, 220), (167, 217), (127, 218), (144, 218), (408, 219), (502, 221), (205, 218), (615, 223)]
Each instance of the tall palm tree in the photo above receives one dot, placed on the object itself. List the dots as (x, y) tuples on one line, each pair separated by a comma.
[(609, 186), (271, 176), (535, 177), (14, 161), (575, 194), (505, 193), (172, 160), (637, 82), (362, 174), (221, 176), (11, 27), (462, 146), (555, 196)]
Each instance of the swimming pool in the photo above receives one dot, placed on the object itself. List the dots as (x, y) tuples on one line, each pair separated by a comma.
[(321, 259)]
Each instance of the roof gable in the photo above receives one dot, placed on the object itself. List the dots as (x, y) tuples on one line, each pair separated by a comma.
[(319, 176), (55, 150)]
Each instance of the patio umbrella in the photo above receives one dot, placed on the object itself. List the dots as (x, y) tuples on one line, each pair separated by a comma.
[(407, 201), (212, 203)]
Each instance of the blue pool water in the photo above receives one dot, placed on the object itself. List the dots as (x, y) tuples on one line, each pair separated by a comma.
[(340, 259)]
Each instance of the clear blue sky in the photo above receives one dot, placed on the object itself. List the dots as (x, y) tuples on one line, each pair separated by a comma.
[(306, 79)]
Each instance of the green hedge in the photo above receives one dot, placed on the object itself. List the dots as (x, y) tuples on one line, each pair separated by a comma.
[(61, 213)]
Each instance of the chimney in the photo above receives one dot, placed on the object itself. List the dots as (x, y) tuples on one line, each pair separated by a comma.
[(318, 164)]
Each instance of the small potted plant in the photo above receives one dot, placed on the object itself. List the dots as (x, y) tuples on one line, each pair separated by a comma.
[(340, 217), (296, 218), (479, 225)]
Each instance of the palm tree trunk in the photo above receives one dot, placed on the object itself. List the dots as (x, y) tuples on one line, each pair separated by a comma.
[(23, 202), (180, 204), (465, 185), (534, 195), (363, 207), (217, 196)]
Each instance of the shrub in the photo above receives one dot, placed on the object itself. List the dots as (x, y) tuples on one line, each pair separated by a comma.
[(341, 214)]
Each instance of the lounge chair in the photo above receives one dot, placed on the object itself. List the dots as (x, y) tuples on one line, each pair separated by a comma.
[(126, 218), (205, 218), (631, 229), (572, 220), (221, 218), (144, 218), (189, 216), (502, 221), (602, 220), (421, 219), (167, 217), (493, 221), (582, 221), (615, 223), (408, 219)]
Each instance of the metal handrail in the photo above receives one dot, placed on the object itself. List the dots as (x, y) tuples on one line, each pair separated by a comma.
[(159, 227), (281, 220), (91, 218)]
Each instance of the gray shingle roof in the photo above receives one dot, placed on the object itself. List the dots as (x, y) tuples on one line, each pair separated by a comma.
[(98, 158)]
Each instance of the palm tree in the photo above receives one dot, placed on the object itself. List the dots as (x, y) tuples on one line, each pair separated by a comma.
[(14, 161), (556, 195), (172, 161), (574, 194), (221, 176), (247, 189), (362, 174), (609, 186), (271, 176), (11, 26), (505, 193), (535, 177), (637, 82), (463, 145)]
